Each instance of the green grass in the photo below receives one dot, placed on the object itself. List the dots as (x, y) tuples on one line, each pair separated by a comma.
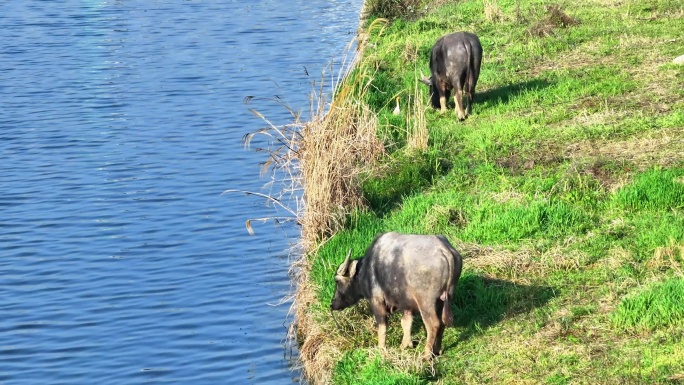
[(564, 190), (357, 368), (654, 190), (657, 306), (504, 223)]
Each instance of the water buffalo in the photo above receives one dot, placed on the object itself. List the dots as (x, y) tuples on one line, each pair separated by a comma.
[(455, 64), (403, 272)]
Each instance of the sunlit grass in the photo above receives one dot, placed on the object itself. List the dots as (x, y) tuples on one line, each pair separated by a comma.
[(654, 190), (564, 191), (657, 306)]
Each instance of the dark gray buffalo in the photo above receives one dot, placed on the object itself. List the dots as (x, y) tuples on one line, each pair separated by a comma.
[(403, 272), (455, 64)]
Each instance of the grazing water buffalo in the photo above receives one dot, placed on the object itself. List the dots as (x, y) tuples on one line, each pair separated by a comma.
[(455, 64), (403, 272)]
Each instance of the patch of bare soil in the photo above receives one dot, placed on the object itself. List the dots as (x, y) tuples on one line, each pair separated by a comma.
[(545, 154)]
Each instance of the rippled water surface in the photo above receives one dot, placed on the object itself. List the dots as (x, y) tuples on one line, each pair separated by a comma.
[(120, 126)]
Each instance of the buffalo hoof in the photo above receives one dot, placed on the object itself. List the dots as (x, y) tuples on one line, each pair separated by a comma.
[(406, 345)]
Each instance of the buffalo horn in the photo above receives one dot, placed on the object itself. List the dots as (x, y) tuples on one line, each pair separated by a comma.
[(424, 79), (343, 267)]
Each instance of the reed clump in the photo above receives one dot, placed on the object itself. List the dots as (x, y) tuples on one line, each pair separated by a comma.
[(392, 9), (333, 149), (322, 158)]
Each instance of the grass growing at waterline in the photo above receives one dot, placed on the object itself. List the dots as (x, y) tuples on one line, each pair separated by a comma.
[(564, 191)]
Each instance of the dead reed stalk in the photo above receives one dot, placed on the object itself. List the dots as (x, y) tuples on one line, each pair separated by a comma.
[(417, 135)]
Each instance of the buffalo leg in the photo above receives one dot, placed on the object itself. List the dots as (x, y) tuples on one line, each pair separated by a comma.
[(469, 103), (381, 320), (442, 98), (458, 96), (438, 340), (406, 322), (440, 330), (382, 332), (470, 92), (431, 321)]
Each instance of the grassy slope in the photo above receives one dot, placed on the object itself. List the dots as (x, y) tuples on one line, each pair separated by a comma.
[(564, 191)]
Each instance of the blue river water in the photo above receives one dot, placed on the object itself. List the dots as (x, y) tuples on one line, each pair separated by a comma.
[(121, 261)]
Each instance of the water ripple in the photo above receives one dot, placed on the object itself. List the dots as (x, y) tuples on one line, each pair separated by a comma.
[(120, 126)]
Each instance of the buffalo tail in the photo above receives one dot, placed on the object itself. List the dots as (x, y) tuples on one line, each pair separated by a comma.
[(447, 314), (469, 70)]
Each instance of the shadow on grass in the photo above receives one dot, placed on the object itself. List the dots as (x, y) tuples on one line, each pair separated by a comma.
[(503, 95), (403, 176), (480, 302)]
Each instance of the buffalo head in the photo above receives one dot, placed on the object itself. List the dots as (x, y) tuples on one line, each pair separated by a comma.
[(346, 293)]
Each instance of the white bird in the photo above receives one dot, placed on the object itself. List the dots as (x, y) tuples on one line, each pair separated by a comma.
[(396, 111)]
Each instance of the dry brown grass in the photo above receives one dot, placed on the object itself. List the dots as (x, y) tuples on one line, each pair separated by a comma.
[(663, 148), (328, 153), (392, 9), (493, 12), (585, 55), (334, 148), (555, 18), (407, 360), (439, 216), (316, 353), (410, 52), (668, 258), (520, 265), (323, 155), (417, 135)]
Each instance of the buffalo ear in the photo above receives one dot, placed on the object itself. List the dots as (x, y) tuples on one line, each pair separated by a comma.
[(352, 268)]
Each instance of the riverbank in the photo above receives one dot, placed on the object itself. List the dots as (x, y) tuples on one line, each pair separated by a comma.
[(564, 192)]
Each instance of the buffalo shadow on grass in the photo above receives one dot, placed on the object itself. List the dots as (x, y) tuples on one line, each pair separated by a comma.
[(480, 302), (502, 95), (403, 176)]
